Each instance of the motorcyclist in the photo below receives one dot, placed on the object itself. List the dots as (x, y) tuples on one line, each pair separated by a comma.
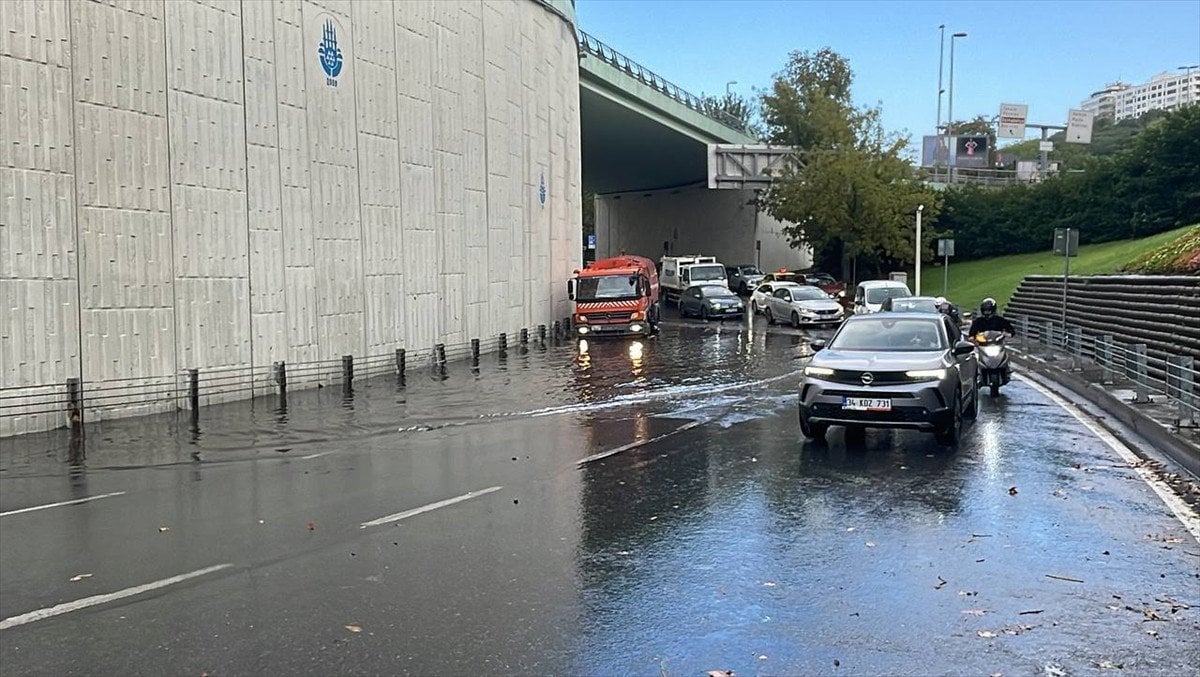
[(989, 320), (946, 308)]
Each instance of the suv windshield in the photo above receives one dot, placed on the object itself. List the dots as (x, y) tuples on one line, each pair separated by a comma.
[(706, 272), (890, 334), (607, 288), (750, 270), (881, 294)]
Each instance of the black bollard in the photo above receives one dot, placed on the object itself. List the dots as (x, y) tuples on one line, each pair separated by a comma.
[(347, 372), (400, 366), (281, 378), (502, 346), (75, 403), (524, 336), (475, 352), (194, 394)]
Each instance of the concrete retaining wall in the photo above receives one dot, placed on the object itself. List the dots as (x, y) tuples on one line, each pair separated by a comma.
[(185, 185), (694, 220)]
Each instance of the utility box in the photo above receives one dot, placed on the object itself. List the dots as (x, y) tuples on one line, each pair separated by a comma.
[(899, 277)]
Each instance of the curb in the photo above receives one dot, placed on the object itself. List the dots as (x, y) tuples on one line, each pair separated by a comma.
[(1178, 449)]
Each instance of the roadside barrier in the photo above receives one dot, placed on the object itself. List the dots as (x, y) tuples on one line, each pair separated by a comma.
[(41, 407), (1141, 328)]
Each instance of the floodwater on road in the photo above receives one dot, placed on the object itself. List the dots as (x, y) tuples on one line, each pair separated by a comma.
[(619, 507)]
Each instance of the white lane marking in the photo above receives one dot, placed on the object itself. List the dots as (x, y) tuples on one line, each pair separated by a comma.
[(61, 503), (640, 443), (1181, 510), (68, 607), (426, 508), (319, 454)]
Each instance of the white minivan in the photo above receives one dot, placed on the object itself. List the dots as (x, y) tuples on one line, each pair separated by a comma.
[(870, 295)]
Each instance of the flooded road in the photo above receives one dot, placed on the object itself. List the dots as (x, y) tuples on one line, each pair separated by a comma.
[(632, 507)]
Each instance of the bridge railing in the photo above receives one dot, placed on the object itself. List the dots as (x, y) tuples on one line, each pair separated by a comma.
[(589, 45)]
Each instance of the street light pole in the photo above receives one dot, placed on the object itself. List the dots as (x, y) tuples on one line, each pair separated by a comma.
[(731, 82), (941, 58), (950, 108), (917, 248)]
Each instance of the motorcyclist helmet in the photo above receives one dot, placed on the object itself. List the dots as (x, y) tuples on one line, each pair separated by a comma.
[(988, 307), (942, 304)]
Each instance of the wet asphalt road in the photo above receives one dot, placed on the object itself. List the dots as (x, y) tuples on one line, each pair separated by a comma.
[(712, 539)]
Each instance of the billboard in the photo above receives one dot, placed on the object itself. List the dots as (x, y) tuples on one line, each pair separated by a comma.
[(970, 151), (1012, 120), (935, 151)]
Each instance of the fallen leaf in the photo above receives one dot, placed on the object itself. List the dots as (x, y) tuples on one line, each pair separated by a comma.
[(1152, 633), (870, 544), (1108, 665), (849, 528), (762, 657), (1152, 615), (769, 584), (974, 612), (312, 526), (654, 518), (1012, 491), (354, 627), (1113, 607), (162, 529), (986, 634), (80, 577)]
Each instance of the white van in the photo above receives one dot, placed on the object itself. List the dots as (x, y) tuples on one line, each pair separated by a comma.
[(870, 295), (680, 272)]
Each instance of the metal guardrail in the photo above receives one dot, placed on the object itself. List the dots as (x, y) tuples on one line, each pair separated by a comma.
[(1142, 328), (191, 389), (591, 46)]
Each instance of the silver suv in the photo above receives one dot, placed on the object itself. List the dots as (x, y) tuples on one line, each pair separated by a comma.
[(891, 370)]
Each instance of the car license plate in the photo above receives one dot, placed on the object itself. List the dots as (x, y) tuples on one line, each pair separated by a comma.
[(731, 310), (866, 404)]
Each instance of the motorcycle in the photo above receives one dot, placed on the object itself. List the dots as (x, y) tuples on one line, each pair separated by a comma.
[(993, 359)]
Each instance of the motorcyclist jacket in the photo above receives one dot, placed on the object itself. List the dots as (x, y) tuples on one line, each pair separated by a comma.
[(996, 322)]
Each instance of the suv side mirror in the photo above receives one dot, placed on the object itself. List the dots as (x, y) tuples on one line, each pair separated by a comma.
[(964, 348), (571, 289), (816, 344)]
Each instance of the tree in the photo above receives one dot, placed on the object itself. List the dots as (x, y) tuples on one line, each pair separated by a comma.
[(853, 195), (732, 108)]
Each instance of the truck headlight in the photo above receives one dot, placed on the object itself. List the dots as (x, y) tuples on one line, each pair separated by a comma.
[(582, 330), (635, 327), (581, 319), (637, 315)]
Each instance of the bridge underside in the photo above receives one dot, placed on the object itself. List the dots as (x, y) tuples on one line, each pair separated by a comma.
[(625, 150)]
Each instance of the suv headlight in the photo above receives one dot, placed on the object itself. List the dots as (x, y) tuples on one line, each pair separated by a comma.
[(818, 371), (926, 374)]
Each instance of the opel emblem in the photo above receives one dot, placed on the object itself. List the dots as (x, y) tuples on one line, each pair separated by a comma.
[(867, 378)]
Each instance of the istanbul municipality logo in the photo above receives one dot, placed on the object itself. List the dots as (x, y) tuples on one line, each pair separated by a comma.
[(329, 54)]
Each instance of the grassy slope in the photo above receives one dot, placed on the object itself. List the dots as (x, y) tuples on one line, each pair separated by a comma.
[(972, 281)]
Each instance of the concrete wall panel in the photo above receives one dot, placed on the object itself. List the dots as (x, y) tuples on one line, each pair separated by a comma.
[(193, 189)]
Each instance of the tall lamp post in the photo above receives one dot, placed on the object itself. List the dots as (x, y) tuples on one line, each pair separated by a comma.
[(727, 84), (950, 108), (1187, 81), (917, 251), (941, 57)]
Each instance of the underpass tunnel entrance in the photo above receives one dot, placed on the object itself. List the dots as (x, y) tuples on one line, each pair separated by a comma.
[(694, 220)]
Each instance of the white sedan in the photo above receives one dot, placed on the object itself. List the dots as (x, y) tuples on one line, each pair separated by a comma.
[(802, 305), (763, 292)]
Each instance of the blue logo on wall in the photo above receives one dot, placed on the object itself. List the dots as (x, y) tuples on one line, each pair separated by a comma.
[(329, 54), (542, 189)]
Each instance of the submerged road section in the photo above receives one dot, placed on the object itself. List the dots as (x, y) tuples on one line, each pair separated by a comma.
[(626, 507)]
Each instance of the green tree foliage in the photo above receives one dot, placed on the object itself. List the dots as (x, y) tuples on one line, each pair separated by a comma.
[(732, 107), (1150, 186), (854, 196)]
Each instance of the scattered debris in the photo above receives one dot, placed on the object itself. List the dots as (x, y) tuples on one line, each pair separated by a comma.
[(354, 627), (986, 634), (1012, 491), (312, 526), (654, 518), (1153, 633), (1176, 607), (769, 584), (624, 552), (870, 544), (940, 584), (80, 577), (836, 663), (1031, 611), (1063, 578), (1108, 665), (753, 459), (974, 612), (848, 529), (1054, 671), (719, 673), (762, 657), (967, 593), (163, 529), (1152, 615)]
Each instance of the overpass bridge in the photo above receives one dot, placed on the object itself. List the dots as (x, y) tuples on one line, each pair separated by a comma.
[(645, 145)]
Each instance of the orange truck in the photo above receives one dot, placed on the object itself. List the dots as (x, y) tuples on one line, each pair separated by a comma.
[(617, 296)]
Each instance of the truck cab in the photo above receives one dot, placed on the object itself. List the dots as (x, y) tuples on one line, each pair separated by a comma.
[(617, 296)]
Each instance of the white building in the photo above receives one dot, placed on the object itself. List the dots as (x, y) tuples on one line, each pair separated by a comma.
[(1165, 91)]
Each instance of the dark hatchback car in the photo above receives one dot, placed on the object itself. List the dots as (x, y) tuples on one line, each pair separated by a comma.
[(891, 370), (710, 301)]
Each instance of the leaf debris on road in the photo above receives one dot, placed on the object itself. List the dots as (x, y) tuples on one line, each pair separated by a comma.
[(940, 584), (80, 577), (1064, 578), (354, 627)]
